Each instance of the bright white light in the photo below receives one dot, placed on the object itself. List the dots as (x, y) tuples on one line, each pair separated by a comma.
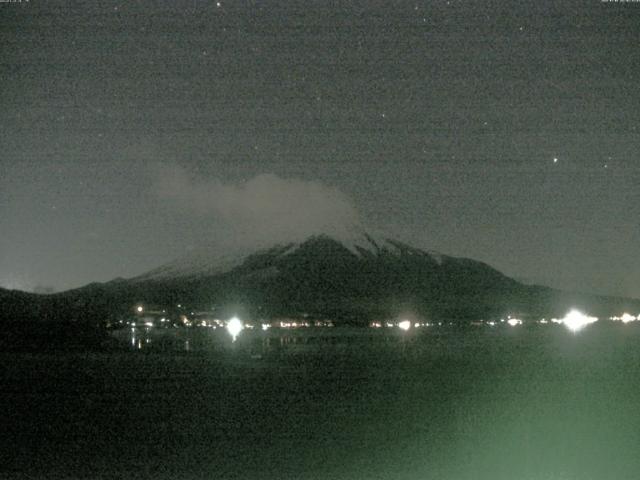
[(575, 320), (514, 321), (234, 327), (139, 309), (626, 318), (404, 325), (149, 324), (265, 326)]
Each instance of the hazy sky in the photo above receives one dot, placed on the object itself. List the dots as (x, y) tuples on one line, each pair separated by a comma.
[(132, 132)]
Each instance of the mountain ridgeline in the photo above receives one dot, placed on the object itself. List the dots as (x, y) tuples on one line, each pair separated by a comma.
[(321, 277)]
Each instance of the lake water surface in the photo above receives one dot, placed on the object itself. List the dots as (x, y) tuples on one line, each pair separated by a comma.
[(536, 403)]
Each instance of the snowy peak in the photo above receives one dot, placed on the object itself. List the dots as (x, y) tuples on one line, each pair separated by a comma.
[(360, 245), (365, 245), (199, 263)]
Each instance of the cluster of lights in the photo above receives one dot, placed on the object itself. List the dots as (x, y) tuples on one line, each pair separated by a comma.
[(294, 324), (573, 320), (207, 323), (625, 318), (302, 323), (402, 325)]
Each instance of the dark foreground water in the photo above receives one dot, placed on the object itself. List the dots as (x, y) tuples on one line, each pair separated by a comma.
[(488, 404)]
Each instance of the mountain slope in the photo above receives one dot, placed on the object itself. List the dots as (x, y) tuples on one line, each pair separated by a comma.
[(363, 278), (356, 280)]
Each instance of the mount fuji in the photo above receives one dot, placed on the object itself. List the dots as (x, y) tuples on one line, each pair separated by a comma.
[(351, 278)]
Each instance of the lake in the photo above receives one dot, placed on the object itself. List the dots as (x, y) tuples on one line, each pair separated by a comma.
[(502, 403)]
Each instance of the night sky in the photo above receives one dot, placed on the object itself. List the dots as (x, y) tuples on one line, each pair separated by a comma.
[(133, 132)]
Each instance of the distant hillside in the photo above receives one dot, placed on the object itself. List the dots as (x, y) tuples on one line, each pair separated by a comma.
[(35, 322)]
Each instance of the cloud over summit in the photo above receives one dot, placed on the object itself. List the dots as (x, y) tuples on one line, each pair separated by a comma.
[(268, 208)]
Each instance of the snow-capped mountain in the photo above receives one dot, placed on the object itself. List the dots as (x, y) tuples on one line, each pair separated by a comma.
[(353, 278), (357, 275), (209, 261)]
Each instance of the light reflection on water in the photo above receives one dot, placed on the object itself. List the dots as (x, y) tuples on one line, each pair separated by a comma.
[(154, 339), (260, 342), (448, 342)]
